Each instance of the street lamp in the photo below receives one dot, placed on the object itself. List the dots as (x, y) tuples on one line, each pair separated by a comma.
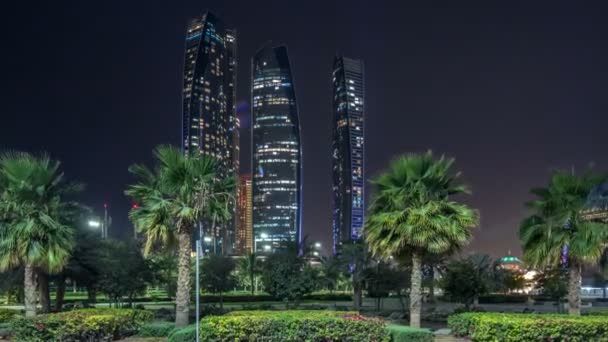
[(263, 236), (267, 248), (94, 224), (317, 245)]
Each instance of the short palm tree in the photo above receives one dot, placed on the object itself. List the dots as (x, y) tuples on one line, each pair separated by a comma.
[(172, 199), (250, 266), (411, 213), (558, 233), (34, 229), (355, 261)]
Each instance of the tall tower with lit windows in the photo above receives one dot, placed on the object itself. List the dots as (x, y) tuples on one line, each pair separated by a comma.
[(209, 123), (276, 151), (348, 150)]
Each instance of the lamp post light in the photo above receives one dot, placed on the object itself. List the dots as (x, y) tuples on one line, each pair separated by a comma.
[(263, 237)]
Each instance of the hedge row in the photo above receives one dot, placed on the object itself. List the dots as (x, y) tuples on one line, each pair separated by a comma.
[(482, 327), (7, 315), (80, 325), (156, 329), (269, 298), (293, 325), (402, 333)]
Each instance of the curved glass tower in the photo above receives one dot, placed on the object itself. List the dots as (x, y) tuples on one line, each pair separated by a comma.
[(276, 151), (209, 124), (348, 150)]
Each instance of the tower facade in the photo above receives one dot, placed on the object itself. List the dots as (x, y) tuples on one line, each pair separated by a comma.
[(209, 124), (244, 227), (348, 150), (276, 151)]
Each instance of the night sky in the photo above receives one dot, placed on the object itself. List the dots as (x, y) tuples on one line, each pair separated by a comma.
[(511, 92)]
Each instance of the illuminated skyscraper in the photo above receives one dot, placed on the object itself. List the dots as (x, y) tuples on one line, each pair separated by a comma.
[(209, 124), (244, 228), (276, 151), (348, 150)]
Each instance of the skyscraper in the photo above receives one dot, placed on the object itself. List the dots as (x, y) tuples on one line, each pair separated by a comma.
[(348, 150), (244, 228), (209, 124), (276, 151)]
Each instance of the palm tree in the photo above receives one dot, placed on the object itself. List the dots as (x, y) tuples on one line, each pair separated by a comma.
[(249, 266), (34, 232), (172, 199), (411, 214), (356, 260), (558, 233)]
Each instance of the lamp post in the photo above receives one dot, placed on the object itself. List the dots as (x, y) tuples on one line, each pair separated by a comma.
[(199, 252)]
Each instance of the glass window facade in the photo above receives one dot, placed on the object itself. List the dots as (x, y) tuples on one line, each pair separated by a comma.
[(276, 151), (209, 124), (348, 150)]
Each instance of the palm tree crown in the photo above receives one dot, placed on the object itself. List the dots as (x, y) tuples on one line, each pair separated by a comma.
[(411, 209), (558, 220), (34, 214), (180, 192)]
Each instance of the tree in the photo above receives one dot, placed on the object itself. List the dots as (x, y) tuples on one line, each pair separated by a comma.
[(464, 280), (34, 212), (381, 280), (217, 275), (125, 272), (249, 270), (331, 269), (411, 213), (553, 282), (557, 233), (173, 198), (355, 260), (286, 276), (164, 271)]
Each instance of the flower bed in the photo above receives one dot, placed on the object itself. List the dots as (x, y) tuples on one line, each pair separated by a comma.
[(293, 325), (81, 325), (529, 327)]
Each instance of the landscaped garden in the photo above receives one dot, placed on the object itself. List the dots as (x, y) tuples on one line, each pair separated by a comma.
[(60, 282)]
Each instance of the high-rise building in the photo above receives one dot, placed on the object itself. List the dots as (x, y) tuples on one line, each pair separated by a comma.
[(348, 150), (244, 227), (276, 151), (209, 124)]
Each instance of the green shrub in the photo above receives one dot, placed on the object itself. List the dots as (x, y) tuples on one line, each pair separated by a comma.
[(403, 333), (8, 314), (156, 329), (186, 334), (81, 325), (293, 325), (529, 327)]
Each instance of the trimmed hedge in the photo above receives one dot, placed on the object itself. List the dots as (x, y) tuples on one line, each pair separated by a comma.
[(484, 327), (293, 325), (81, 325), (185, 334), (6, 315), (403, 333), (156, 329)]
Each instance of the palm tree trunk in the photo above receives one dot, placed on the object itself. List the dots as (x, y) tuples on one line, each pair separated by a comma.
[(29, 289), (357, 296), (415, 291), (182, 297), (44, 292), (574, 289), (60, 293)]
